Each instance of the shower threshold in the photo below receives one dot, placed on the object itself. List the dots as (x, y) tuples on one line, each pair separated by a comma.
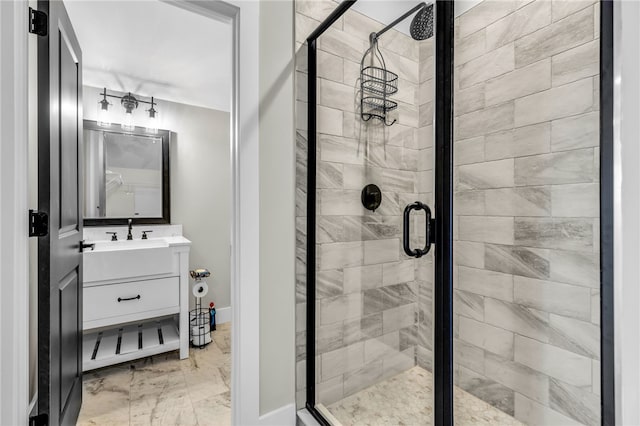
[(407, 399)]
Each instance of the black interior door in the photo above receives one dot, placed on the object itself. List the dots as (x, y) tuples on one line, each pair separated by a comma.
[(60, 252)]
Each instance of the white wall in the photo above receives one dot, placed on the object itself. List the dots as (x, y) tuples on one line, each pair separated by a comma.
[(200, 185), (277, 207), (627, 211)]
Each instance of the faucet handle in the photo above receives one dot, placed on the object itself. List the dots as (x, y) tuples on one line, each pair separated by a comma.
[(114, 235), (144, 235)]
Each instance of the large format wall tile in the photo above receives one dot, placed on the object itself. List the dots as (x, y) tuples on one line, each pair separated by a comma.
[(520, 201), (518, 377), (469, 47), (486, 283), (573, 31), (555, 362), (580, 131), (484, 387), (523, 81), (488, 229), (485, 121), (579, 200), (493, 339), (562, 8), (563, 299), (577, 63), (526, 20), (490, 174), (567, 234), (577, 336), (517, 318), (575, 402), (484, 13), (533, 413), (490, 65), (520, 142), (558, 102), (523, 261), (557, 168)]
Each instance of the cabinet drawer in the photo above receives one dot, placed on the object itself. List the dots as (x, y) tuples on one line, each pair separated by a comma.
[(129, 301)]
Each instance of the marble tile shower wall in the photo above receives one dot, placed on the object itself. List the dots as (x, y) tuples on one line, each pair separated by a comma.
[(369, 323), (526, 204)]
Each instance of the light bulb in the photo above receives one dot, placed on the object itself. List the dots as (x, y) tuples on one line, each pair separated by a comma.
[(127, 123), (152, 123), (104, 117)]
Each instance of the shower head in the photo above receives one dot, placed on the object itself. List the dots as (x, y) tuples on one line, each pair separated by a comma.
[(422, 24)]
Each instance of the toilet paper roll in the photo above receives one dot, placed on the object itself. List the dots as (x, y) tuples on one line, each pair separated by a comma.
[(200, 289)]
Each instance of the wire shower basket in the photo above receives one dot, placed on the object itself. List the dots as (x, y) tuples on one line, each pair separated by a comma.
[(376, 85)]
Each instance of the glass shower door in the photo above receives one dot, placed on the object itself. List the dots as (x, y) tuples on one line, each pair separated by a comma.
[(371, 339), (526, 155)]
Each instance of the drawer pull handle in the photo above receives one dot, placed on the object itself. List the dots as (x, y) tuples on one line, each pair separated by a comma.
[(122, 299)]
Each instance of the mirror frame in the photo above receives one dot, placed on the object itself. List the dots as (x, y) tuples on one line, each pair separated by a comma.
[(165, 135)]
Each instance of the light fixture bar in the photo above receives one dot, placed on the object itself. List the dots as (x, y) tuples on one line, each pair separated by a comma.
[(130, 103)]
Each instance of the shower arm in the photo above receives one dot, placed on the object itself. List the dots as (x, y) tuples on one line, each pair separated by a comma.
[(400, 19)]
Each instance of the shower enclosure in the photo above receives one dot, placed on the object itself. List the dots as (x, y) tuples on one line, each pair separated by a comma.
[(454, 178)]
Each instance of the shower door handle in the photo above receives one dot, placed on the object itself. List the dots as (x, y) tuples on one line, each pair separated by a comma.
[(407, 230)]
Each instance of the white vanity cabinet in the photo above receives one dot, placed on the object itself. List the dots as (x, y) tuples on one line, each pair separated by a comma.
[(135, 300)]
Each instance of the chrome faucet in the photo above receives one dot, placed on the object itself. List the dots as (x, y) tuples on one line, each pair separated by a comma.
[(129, 234)]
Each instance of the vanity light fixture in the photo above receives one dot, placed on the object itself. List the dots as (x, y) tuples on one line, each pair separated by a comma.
[(103, 111), (129, 103), (152, 124)]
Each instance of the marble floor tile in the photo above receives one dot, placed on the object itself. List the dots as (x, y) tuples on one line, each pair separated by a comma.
[(406, 399), (163, 390)]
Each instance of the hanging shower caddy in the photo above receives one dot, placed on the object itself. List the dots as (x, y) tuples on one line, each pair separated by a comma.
[(377, 84)]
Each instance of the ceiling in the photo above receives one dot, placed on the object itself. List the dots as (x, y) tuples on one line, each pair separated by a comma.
[(151, 48)]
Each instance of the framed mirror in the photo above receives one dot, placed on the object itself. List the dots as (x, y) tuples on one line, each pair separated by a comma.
[(126, 175)]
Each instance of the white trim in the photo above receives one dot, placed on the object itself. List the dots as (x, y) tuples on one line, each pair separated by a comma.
[(626, 233), (285, 415), (14, 240), (245, 200), (223, 315), (305, 417)]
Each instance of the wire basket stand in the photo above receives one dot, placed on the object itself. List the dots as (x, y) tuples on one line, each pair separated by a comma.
[(200, 325), (376, 85)]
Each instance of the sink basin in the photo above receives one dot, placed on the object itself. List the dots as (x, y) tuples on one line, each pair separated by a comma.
[(127, 260), (128, 245)]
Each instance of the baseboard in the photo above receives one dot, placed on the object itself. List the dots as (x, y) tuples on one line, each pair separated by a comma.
[(223, 315), (306, 419), (283, 416)]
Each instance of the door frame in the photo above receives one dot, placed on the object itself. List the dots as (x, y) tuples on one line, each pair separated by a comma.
[(443, 263), (14, 239), (14, 191)]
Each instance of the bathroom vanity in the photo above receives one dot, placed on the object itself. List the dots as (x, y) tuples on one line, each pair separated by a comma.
[(135, 299), (135, 270)]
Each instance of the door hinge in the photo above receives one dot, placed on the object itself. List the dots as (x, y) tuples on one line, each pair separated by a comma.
[(39, 420), (38, 224), (37, 22)]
